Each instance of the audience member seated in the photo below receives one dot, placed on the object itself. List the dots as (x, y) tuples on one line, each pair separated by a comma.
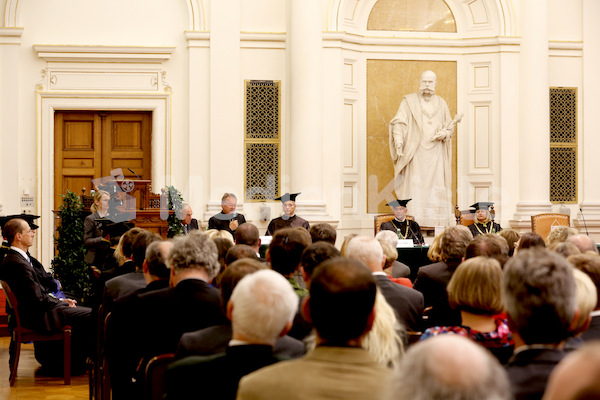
[(239, 251), (401, 226), (122, 256), (323, 233), (224, 243), (408, 303), (127, 283), (398, 269), (284, 253), (559, 234), (433, 279), (248, 234), (590, 264), (483, 220), (162, 316), (488, 245), (434, 249), (450, 367), (512, 237), (529, 240), (391, 254), (475, 290), (344, 247), (340, 305), (289, 219), (576, 376), (313, 256), (228, 219), (261, 309), (38, 308), (539, 297), (587, 298), (214, 339), (584, 243), (565, 249)]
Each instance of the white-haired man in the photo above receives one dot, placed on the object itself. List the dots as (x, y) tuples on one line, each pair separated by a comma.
[(407, 302), (261, 308)]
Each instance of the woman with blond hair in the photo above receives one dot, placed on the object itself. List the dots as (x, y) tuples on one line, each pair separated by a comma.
[(93, 240)]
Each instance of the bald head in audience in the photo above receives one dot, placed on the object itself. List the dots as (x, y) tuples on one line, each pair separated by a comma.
[(583, 242), (577, 376), (450, 367)]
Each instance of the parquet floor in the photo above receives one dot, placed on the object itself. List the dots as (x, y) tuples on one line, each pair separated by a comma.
[(28, 386)]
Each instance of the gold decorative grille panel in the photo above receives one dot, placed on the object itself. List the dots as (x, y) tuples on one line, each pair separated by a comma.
[(262, 109), (262, 140), (563, 115), (563, 145), (262, 171)]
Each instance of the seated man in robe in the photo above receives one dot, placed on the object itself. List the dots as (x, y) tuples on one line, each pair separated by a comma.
[(483, 219), (289, 219), (404, 228), (228, 219)]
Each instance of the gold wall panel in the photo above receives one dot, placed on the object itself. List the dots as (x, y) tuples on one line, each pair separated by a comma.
[(563, 145), (411, 15), (387, 82)]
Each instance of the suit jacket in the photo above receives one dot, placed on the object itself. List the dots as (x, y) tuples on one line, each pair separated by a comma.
[(593, 331), (325, 373), (193, 225), (218, 375), (432, 281), (215, 339), (528, 371), (281, 223), (151, 324), (407, 302), (221, 221)]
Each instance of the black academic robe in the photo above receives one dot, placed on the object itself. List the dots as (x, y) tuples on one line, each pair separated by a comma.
[(221, 221), (282, 223), (481, 229), (406, 229)]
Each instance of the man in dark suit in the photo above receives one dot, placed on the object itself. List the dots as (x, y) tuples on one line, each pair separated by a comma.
[(228, 219), (38, 308), (185, 216), (162, 316), (433, 279), (540, 300), (407, 302), (261, 310), (341, 307), (214, 339), (248, 234)]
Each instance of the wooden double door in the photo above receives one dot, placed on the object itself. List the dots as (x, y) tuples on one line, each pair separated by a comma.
[(91, 144)]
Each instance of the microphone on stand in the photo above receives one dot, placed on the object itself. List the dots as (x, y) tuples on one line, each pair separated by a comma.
[(133, 172), (413, 234), (584, 224)]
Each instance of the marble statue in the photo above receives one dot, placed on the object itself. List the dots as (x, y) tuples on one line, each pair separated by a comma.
[(420, 139)]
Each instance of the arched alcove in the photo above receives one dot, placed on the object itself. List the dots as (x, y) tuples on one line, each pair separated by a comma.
[(410, 15)]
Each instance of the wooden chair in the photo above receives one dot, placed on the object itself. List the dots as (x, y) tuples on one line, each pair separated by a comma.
[(24, 335), (542, 223), (155, 376), (381, 218)]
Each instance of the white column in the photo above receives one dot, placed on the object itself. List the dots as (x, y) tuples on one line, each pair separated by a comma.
[(10, 39), (226, 105), (589, 142), (534, 131), (199, 121), (305, 47)]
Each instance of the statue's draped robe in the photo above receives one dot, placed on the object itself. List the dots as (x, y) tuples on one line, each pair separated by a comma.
[(423, 173)]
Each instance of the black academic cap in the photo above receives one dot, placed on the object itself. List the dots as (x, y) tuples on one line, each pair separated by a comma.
[(397, 203), (482, 205), (27, 217), (288, 197), (114, 229)]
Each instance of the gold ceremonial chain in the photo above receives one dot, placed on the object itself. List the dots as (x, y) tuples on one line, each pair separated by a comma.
[(489, 230), (399, 230)]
